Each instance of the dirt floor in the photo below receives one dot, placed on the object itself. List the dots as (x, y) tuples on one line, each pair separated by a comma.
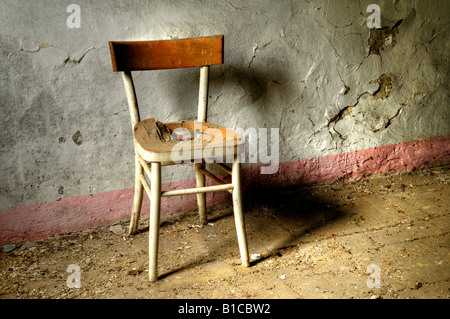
[(384, 237)]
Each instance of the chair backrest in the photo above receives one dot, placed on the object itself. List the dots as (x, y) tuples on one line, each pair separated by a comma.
[(166, 54), (127, 56)]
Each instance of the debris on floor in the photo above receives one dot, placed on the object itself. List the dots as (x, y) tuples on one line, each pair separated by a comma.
[(379, 238)]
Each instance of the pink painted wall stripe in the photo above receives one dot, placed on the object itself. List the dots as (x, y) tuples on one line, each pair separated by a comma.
[(69, 215)]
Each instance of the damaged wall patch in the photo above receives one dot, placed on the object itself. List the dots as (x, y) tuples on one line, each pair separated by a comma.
[(378, 37), (385, 87)]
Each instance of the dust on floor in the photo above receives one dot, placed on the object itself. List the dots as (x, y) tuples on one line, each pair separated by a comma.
[(383, 237)]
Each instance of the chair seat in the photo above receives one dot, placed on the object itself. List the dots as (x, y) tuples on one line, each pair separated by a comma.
[(206, 141)]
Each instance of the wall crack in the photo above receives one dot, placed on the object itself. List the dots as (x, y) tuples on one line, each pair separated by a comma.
[(10, 55), (77, 61), (391, 118), (68, 60), (258, 46)]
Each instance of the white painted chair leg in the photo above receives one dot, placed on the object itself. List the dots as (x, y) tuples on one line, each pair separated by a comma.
[(155, 206), (137, 200), (238, 212), (201, 197)]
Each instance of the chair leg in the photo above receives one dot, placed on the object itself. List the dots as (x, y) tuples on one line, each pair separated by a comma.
[(201, 197), (238, 212), (155, 206), (137, 200)]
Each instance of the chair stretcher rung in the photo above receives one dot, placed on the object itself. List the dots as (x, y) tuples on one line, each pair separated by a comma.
[(145, 184), (188, 191), (144, 165), (223, 167), (214, 178)]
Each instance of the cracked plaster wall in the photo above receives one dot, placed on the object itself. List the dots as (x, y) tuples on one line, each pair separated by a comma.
[(311, 68)]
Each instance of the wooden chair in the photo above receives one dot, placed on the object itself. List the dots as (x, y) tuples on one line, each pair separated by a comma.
[(154, 148)]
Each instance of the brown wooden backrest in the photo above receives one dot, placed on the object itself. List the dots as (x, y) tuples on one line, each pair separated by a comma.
[(166, 54)]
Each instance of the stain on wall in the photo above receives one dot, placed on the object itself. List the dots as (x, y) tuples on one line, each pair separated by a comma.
[(77, 138)]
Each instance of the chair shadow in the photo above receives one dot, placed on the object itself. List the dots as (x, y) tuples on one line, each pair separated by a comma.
[(296, 213)]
